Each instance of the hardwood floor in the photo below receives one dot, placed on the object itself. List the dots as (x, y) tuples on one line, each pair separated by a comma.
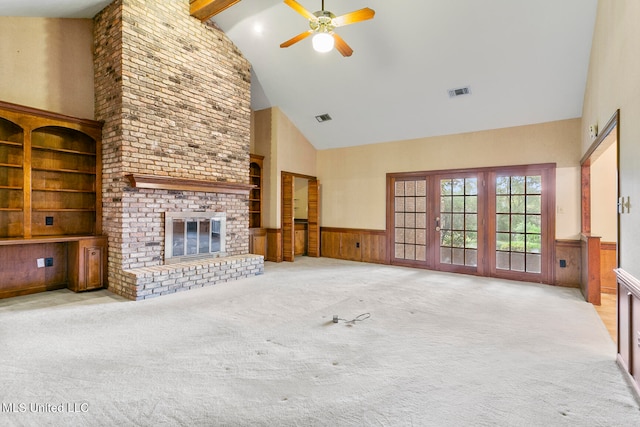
[(607, 312)]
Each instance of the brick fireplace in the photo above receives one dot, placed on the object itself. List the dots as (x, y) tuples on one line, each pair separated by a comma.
[(174, 95)]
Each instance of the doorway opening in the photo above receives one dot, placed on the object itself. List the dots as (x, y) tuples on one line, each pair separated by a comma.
[(300, 216), (600, 234)]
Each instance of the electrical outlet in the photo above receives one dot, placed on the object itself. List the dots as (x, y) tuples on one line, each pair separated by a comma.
[(563, 263), (48, 262), (357, 244), (40, 262), (48, 220)]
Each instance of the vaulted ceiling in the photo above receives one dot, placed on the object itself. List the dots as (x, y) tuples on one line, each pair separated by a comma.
[(524, 62)]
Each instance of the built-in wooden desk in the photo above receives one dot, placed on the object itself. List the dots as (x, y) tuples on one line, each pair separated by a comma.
[(52, 262)]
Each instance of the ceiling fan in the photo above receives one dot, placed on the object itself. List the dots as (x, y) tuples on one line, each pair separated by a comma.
[(322, 23)]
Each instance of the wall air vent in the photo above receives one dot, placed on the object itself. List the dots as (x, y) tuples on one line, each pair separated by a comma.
[(459, 91), (323, 118)]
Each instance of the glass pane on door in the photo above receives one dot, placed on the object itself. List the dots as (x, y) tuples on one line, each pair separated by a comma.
[(410, 219), (519, 223), (458, 221)]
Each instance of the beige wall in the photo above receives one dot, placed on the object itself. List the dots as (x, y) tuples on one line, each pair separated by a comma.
[(286, 149), (301, 198), (613, 83), (604, 195), (293, 151), (354, 179), (48, 64)]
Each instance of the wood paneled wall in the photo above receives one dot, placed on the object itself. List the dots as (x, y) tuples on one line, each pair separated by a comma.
[(354, 244), (19, 274), (569, 252), (370, 246)]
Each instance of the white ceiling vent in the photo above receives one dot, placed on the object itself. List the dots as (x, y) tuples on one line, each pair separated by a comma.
[(459, 91), (323, 118)]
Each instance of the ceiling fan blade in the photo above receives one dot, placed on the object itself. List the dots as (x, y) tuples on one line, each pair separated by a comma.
[(293, 4), (297, 38), (353, 17), (342, 46)]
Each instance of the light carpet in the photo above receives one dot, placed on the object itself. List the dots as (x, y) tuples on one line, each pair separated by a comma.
[(437, 350)]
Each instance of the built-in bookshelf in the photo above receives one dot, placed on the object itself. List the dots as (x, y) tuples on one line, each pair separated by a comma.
[(50, 201)]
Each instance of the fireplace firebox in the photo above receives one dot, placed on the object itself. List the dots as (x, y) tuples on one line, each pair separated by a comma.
[(194, 235)]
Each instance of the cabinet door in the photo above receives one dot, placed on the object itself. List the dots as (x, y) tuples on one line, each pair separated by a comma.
[(258, 241), (634, 342), (300, 242), (624, 325), (93, 260)]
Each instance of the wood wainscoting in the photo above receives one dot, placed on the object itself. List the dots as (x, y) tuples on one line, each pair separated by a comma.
[(370, 246), (569, 252), (354, 244)]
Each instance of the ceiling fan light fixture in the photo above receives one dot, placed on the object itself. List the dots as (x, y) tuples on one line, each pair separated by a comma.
[(322, 42)]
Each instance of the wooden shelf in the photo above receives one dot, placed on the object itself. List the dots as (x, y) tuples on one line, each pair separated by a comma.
[(14, 144), (64, 171), (63, 210), (45, 239), (63, 190), (255, 196), (183, 184), (63, 150), (62, 178), (51, 189)]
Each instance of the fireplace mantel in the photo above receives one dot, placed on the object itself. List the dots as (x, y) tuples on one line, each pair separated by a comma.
[(184, 184)]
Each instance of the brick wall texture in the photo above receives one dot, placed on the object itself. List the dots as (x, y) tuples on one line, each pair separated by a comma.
[(174, 95)]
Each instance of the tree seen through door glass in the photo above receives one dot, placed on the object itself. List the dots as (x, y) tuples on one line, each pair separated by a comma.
[(459, 221), (519, 223)]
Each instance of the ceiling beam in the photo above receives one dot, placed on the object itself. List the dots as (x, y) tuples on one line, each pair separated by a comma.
[(205, 9)]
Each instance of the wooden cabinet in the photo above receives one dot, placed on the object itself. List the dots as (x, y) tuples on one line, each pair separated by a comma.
[(11, 179), (300, 238), (255, 196), (50, 196), (49, 174), (624, 300), (87, 264), (257, 234), (63, 182), (629, 326), (258, 241)]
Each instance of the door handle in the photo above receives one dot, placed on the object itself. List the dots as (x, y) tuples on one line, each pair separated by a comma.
[(437, 223)]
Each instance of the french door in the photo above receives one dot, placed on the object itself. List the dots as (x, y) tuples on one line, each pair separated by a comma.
[(490, 221)]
